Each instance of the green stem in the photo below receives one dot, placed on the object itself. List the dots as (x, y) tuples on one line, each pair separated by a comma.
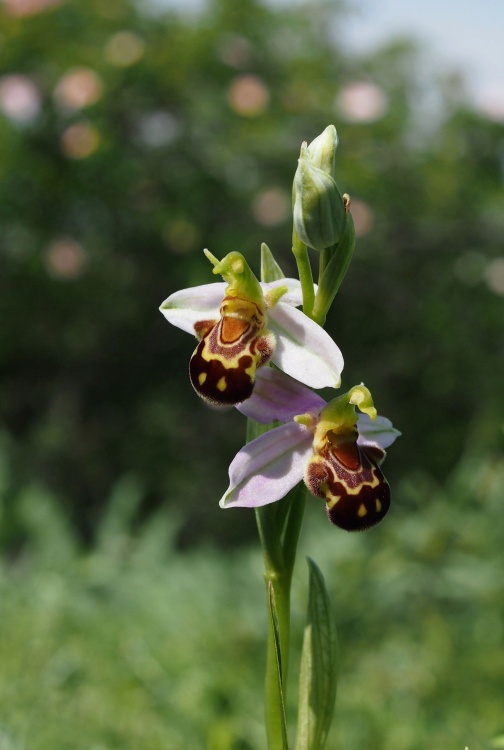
[(279, 528), (271, 542), (305, 273), (273, 707), (293, 525)]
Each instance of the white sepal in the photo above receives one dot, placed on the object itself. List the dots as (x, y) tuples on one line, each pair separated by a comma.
[(189, 306), (304, 350), (264, 470), (278, 397)]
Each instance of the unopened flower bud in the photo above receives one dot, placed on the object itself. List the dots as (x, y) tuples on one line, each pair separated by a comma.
[(319, 211), (322, 150)]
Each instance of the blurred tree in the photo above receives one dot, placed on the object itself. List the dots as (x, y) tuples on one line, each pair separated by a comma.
[(130, 138)]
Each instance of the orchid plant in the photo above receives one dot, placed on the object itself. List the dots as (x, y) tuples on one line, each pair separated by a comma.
[(257, 351)]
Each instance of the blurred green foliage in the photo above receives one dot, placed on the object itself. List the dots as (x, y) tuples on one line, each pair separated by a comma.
[(135, 645), (145, 136)]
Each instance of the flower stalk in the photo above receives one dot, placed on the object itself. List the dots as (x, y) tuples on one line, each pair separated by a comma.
[(279, 527), (279, 557), (300, 252)]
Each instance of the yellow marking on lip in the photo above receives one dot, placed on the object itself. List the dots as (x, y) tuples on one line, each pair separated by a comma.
[(362, 511), (202, 377), (378, 505), (355, 490), (222, 384), (332, 501)]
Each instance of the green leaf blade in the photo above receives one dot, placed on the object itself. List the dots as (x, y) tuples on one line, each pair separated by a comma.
[(319, 667)]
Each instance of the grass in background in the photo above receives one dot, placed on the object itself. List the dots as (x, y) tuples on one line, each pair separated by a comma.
[(137, 646)]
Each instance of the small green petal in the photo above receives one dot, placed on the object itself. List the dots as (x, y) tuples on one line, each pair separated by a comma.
[(270, 270), (274, 295)]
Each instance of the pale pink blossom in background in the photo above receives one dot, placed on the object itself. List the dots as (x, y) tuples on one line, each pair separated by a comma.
[(65, 259), (361, 101), (20, 98), (248, 95), (78, 88)]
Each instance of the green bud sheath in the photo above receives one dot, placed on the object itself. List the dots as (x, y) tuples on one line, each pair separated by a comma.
[(337, 259)]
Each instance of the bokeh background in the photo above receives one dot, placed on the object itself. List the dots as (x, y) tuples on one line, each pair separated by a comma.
[(132, 135)]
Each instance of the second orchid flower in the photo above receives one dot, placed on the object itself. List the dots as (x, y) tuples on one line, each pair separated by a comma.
[(335, 450)]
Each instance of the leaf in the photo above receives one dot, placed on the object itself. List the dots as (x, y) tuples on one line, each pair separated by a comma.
[(270, 270), (278, 653), (319, 667)]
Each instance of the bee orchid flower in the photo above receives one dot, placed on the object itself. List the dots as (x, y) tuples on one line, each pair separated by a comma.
[(242, 324), (337, 451)]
